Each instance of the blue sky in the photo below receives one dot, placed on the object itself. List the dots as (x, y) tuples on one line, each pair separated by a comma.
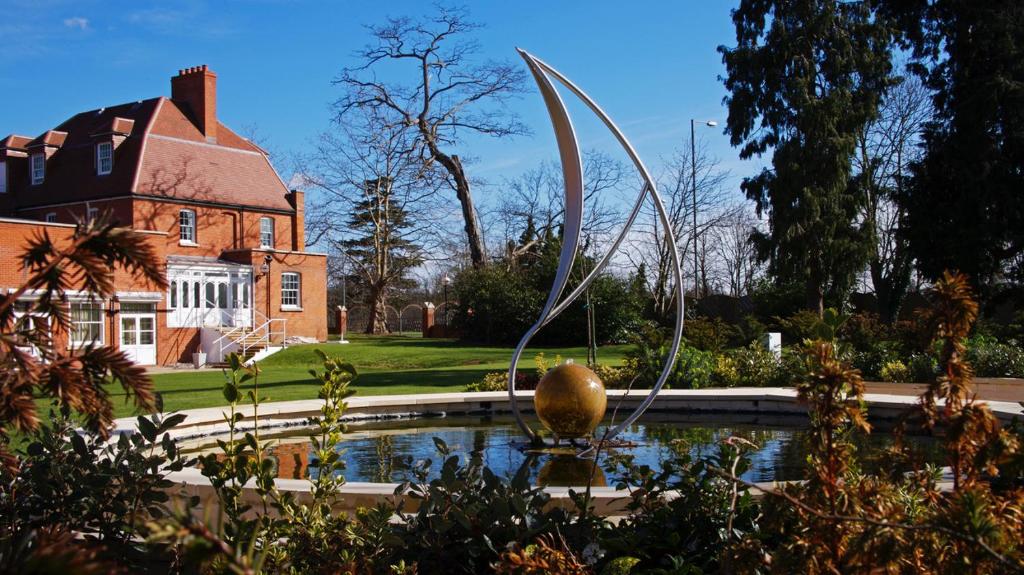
[(651, 65)]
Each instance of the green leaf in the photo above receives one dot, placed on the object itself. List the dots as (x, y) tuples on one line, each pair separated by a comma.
[(441, 446), (230, 392), (620, 566), (147, 428), (78, 444)]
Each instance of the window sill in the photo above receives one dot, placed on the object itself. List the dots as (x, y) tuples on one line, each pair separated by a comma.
[(188, 244), (291, 308)]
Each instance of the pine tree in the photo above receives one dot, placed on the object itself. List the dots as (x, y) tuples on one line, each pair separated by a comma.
[(379, 251), (965, 203), (804, 79)]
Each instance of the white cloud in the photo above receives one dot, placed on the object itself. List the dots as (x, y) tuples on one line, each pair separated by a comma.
[(77, 22)]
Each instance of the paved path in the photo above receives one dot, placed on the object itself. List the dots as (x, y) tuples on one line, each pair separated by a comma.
[(990, 388)]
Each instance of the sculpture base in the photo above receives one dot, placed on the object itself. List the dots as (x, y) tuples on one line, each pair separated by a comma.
[(576, 447)]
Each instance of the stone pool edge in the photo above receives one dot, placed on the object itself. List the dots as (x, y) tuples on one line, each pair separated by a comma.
[(607, 500)]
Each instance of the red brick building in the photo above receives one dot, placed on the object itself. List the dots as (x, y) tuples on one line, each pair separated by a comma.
[(231, 231)]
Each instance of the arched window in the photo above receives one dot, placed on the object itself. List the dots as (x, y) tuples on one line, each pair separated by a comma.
[(174, 295)]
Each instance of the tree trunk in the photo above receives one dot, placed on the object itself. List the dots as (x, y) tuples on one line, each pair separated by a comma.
[(377, 304), (815, 297), (473, 236), (453, 165)]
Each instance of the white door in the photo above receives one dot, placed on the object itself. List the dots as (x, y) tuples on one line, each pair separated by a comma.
[(138, 332)]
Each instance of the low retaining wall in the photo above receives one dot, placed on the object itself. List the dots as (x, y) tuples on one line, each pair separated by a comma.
[(201, 423)]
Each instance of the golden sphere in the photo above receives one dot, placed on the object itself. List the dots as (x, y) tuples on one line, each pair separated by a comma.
[(570, 400), (570, 471)]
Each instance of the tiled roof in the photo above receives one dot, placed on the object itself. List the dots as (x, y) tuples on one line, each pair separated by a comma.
[(15, 142), (50, 138), (190, 170), (71, 172), (164, 154)]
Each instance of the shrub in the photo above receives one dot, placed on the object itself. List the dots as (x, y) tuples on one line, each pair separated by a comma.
[(708, 334), (864, 331), (871, 359), (498, 381), (105, 491), (758, 367), (895, 371), (725, 373), (498, 303), (615, 377), (800, 326), (923, 367), (990, 358)]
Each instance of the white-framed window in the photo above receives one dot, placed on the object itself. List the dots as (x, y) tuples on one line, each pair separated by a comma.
[(51, 217), (291, 290), (92, 213), (3, 177), (267, 232), (38, 162), (104, 158), (187, 226), (86, 323)]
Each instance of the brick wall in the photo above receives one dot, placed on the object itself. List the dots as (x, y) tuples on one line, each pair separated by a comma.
[(217, 229), (120, 209), (311, 319), (17, 233)]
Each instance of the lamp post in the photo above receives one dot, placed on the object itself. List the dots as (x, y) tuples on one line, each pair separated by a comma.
[(693, 178), (446, 280)]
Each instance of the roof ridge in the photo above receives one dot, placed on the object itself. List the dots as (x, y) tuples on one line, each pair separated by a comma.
[(144, 136)]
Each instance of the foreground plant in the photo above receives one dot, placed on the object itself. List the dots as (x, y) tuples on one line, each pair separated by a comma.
[(843, 521), (32, 366), (73, 501)]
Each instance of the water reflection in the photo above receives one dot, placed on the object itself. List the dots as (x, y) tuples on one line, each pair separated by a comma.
[(383, 451)]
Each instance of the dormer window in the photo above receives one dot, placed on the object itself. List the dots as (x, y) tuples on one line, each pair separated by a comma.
[(38, 169), (104, 158)]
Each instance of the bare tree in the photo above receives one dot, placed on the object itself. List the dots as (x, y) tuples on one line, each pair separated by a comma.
[(649, 246), (886, 148), (533, 204), (447, 97), (735, 255), (370, 184)]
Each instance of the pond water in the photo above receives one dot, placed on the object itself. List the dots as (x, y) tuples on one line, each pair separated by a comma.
[(381, 451)]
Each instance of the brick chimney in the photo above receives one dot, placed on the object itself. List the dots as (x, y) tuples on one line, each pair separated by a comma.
[(197, 87), (298, 201)]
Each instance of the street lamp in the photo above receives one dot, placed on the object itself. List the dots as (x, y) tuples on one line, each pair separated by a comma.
[(693, 177), (446, 280)]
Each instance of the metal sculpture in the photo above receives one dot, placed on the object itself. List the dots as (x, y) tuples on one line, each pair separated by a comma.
[(572, 174)]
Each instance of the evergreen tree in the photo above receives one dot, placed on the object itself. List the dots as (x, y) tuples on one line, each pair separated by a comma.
[(965, 201), (804, 79), (379, 251)]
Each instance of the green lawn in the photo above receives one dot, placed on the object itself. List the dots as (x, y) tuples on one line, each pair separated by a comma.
[(387, 365)]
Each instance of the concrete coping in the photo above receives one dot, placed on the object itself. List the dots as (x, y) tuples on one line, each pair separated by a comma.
[(205, 422)]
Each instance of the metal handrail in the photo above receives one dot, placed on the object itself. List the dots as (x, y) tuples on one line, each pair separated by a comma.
[(267, 338)]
